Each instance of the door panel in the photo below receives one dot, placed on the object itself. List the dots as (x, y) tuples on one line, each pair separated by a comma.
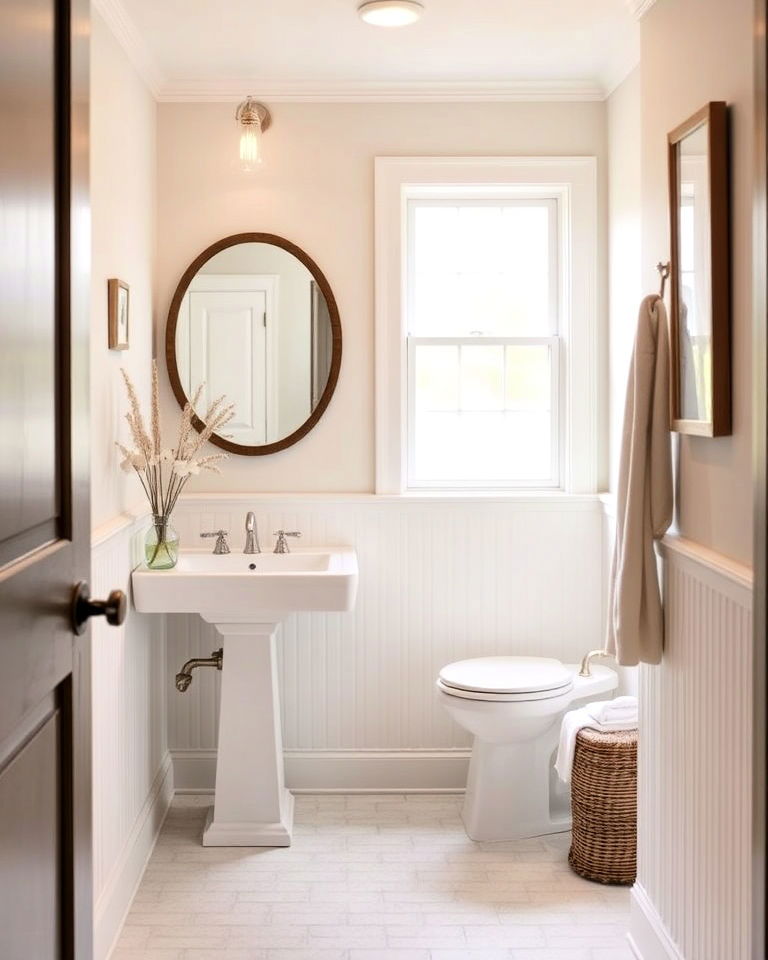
[(228, 352), (30, 839), (37, 558), (28, 428)]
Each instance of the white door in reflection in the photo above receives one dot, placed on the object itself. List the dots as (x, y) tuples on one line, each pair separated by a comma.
[(229, 347)]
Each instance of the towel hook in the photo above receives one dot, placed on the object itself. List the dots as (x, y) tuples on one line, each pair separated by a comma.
[(664, 271)]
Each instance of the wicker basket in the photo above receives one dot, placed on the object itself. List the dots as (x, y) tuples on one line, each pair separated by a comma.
[(604, 806)]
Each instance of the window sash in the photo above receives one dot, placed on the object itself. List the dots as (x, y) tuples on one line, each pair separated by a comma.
[(539, 199), (552, 481), (543, 200)]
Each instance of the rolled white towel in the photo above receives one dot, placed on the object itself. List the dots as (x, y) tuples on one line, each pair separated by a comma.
[(621, 703), (622, 718), (620, 710)]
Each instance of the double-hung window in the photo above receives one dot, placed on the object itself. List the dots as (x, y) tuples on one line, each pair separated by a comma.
[(486, 324), (483, 347)]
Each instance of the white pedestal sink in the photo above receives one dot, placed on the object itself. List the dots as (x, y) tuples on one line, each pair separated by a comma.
[(246, 597)]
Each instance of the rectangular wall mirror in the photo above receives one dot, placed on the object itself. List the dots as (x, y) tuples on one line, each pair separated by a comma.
[(700, 277)]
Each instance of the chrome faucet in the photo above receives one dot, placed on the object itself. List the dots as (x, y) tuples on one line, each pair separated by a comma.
[(281, 546), (221, 540), (251, 534)]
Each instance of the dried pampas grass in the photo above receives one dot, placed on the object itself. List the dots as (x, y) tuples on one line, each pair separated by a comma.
[(163, 472)]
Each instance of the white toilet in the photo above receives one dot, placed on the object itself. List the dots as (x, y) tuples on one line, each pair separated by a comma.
[(513, 707)]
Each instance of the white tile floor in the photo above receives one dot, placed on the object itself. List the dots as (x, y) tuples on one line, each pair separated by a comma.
[(368, 878)]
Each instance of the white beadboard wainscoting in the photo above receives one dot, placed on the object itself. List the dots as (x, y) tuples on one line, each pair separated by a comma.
[(692, 898), (441, 579), (132, 773)]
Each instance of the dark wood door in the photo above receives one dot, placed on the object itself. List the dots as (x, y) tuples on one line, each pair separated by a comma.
[(45, 828)]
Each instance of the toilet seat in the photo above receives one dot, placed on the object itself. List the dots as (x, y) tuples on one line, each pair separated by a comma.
[(507, 679)]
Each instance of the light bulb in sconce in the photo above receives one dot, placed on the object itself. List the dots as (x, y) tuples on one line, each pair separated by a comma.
[(252, 120)]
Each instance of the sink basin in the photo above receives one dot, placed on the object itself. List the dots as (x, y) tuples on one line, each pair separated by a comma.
[(241, 585), (247, 597)]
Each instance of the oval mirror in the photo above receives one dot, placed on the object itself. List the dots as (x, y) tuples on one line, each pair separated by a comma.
[(254, 318)]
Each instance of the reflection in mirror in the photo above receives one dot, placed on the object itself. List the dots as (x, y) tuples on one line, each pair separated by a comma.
[(700, 273), (254, 324), (695, 331)]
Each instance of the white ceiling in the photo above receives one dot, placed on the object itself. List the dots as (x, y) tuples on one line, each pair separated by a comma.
[(216, 49)]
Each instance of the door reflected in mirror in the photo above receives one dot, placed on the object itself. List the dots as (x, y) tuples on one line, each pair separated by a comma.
[(253, 318)]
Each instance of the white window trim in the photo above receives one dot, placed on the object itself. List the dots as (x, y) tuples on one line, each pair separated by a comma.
[(573, 181)]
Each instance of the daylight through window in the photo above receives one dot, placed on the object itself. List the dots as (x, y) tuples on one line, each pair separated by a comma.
[(483, 343)]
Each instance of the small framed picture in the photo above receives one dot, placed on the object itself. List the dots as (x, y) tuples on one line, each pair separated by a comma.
[(118, 302)]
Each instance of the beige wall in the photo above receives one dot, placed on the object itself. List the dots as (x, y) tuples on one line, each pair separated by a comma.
[(624, 257), (131, 769), (316, 189), (694, 51), (123, 224)]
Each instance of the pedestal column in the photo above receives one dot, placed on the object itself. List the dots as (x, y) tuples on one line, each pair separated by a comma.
[(251, 808)]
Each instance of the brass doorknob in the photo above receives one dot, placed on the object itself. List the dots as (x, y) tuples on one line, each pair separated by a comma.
[(114, 608)]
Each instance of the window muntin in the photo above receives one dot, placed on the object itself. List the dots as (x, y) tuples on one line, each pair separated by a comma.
[(483, 346)]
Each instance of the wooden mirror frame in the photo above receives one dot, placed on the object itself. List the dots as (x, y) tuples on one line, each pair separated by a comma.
[(170, 341), (715, 116)]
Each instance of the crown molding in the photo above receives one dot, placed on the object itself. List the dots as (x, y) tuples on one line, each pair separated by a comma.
[(232, 90), (615, 80), (130, 39), (639, 8), (505, 91)]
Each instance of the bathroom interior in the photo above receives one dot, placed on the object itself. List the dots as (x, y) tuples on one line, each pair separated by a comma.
[(424, 346)]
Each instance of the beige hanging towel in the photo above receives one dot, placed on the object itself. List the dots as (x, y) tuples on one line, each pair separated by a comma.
[(644, 497)]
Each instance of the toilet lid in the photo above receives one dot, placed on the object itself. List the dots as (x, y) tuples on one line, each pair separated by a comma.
[(509, 675)]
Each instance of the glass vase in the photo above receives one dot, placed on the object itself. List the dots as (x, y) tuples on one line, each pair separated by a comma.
[(161, 544)]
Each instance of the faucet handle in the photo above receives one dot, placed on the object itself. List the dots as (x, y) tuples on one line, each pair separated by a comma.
[(281, 546), (221, 540)]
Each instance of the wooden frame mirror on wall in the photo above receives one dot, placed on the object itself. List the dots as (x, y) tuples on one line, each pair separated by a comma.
[(254, 318), (700, 273)]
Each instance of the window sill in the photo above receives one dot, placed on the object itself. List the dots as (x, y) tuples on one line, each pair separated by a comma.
[(549, 497), (524, 499)]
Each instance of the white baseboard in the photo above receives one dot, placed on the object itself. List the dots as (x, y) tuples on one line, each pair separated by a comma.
[(115, 901), (648, 937), (342, 771)]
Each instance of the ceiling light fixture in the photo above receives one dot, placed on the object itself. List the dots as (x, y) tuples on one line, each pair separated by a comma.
[(390, 13), (252, 120)]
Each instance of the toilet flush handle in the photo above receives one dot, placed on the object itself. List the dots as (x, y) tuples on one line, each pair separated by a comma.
[(584, 669)]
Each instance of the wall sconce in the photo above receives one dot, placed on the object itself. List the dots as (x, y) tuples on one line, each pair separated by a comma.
[(253, 119)]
